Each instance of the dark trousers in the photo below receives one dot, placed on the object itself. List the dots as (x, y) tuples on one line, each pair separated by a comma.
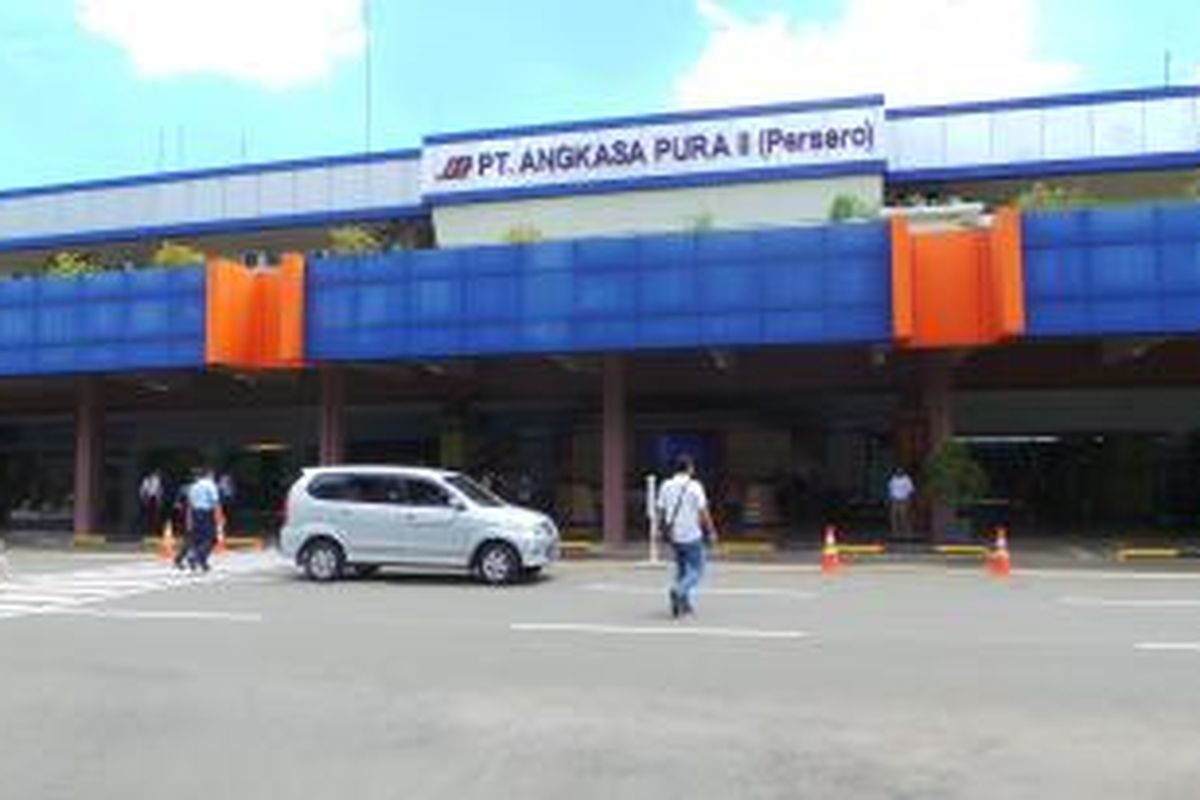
[(204, 536)]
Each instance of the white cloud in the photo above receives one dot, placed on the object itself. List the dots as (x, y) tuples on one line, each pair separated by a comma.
[(915, 51), (273, 43)]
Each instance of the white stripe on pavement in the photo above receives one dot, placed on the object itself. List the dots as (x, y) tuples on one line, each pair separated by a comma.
[(217, 616), (1169, 647), (642, 630), (66, 591), (1107, 602), (730, 591)]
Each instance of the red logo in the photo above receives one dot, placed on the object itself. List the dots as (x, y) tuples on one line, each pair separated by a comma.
[(456, 168)]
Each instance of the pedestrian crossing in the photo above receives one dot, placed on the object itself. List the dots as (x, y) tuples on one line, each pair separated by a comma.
[(23, 595)]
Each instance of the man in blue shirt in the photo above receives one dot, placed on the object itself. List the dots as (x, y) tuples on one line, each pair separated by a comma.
[(204, 503)]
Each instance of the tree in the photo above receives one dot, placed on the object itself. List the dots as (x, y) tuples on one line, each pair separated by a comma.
[(174, 254), (68, 264), (953, 478), (353, 239)]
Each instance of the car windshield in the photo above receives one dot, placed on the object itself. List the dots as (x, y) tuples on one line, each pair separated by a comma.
[(478, 494)]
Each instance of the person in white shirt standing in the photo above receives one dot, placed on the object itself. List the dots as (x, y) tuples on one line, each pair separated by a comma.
[(900, 493), (688, 526), (150, 495)]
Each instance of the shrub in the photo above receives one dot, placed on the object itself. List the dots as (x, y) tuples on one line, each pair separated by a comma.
[(524, 233), (68, 264), (953, 477), (845, 207), (351, 239), (174, 254)]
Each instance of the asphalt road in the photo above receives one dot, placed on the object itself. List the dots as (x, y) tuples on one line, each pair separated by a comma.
[(120, 680)]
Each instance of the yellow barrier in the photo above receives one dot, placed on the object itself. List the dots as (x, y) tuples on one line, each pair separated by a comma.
[(88, 540), (962, 550), (862, 549), (577, 546), (745, 548), (1127, 553)]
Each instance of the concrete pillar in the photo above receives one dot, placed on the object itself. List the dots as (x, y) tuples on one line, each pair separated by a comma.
[(452, 445), (614, 431), (89, 418), (938, 418), (332, 417)]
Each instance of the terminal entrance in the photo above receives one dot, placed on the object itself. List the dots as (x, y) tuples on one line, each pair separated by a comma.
[(1075, 441)]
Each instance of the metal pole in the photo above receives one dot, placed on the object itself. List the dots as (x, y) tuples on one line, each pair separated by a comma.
[(652, 515)]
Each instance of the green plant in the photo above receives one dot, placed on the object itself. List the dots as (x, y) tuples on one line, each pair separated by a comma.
[(524, 233), (351, 239), (1045, 196), (953, 477), (174, 254), (68, 264), (845, 207)]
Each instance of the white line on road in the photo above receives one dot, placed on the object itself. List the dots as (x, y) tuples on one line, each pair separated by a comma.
[(1103, 575), (731, 591), (1169, 647), (1105, 602), (214, 616), (640, 630)]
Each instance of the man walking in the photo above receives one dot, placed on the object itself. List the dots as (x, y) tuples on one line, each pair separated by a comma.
[(204, 504), (686, 523)]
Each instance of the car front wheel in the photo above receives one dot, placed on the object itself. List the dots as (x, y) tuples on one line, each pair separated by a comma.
[(323, 561), (498, 564)]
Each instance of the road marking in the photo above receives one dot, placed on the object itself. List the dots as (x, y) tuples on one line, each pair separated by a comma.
[(644, 630), (216, 616), (1169, 647), (729, 591), (1104, 602), (66, 591), (1103, 575)]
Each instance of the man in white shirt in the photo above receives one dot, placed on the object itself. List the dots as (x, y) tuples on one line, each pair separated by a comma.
[(204, 503), (685, 521), (900, 493), (150, 494)]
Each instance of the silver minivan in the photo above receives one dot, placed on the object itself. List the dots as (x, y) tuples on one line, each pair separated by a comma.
[(357, 518)]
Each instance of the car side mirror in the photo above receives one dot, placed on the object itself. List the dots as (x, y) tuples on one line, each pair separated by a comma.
[(457, 504)]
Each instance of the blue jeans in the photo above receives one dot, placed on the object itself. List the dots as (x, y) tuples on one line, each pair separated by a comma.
[(689, 569)]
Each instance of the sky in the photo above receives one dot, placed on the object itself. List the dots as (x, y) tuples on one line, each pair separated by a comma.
[(94, 89)]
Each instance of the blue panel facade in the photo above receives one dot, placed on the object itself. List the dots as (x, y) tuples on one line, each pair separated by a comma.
[(789, 286), (108, 322), (1132, 270)]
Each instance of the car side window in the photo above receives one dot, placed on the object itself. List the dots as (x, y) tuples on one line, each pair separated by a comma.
[(424, 493), (380, 489), (335, 487)]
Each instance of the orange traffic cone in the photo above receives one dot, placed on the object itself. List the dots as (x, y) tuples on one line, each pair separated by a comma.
[(831, 560), (220, 548), (999, 562), (166, 543)]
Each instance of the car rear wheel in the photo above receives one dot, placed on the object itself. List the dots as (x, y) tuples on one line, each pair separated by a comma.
[(323, 560), (498, 564)]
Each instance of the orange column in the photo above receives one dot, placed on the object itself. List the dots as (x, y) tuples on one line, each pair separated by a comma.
[(960, 287)]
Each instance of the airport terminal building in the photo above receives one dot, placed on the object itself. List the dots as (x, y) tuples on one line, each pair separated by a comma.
[(801, 295)]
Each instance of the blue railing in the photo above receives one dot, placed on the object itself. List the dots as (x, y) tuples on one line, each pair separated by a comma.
[(109, 321), (787, 286), (1128, 270)]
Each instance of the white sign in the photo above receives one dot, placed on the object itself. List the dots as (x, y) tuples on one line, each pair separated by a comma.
[(825, 137)]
